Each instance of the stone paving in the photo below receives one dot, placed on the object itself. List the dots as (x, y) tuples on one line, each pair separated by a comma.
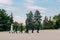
[(42, 35)]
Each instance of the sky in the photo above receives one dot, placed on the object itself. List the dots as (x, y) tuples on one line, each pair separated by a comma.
[(20, 8)]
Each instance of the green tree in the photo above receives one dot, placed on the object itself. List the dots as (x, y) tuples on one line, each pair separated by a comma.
[(29, 21), (37, 19), (21, 28), (56, 19), (4, 20), (45, 23), (15, 26), (50, 23), (11, 20), (57, 24)]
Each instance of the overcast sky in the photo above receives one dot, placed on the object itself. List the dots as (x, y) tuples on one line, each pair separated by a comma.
[(19, 8)]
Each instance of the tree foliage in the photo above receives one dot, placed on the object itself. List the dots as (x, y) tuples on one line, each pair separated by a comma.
[(37, 19), (4, 20), (45, 23), (33, 22), (29, 21)]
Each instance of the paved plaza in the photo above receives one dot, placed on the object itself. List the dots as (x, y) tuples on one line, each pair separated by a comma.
[(42, 35)]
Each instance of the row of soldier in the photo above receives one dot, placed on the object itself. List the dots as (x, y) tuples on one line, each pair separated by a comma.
[(14, 30)]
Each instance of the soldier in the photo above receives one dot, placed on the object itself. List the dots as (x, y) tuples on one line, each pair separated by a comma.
[(27, 29), (16, 29), (11, 28), (21, 26), (37, 24), (27, 26), (32, 27), (38, 27)]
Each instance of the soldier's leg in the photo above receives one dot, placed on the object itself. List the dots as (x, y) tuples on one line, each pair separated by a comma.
[(32, 30), (21, 31), (15, 30), (37, 29)]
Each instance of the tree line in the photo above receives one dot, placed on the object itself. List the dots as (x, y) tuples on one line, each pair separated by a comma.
[(33, 22)]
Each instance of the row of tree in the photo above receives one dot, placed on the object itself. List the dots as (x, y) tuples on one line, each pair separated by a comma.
[(33, 22)]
